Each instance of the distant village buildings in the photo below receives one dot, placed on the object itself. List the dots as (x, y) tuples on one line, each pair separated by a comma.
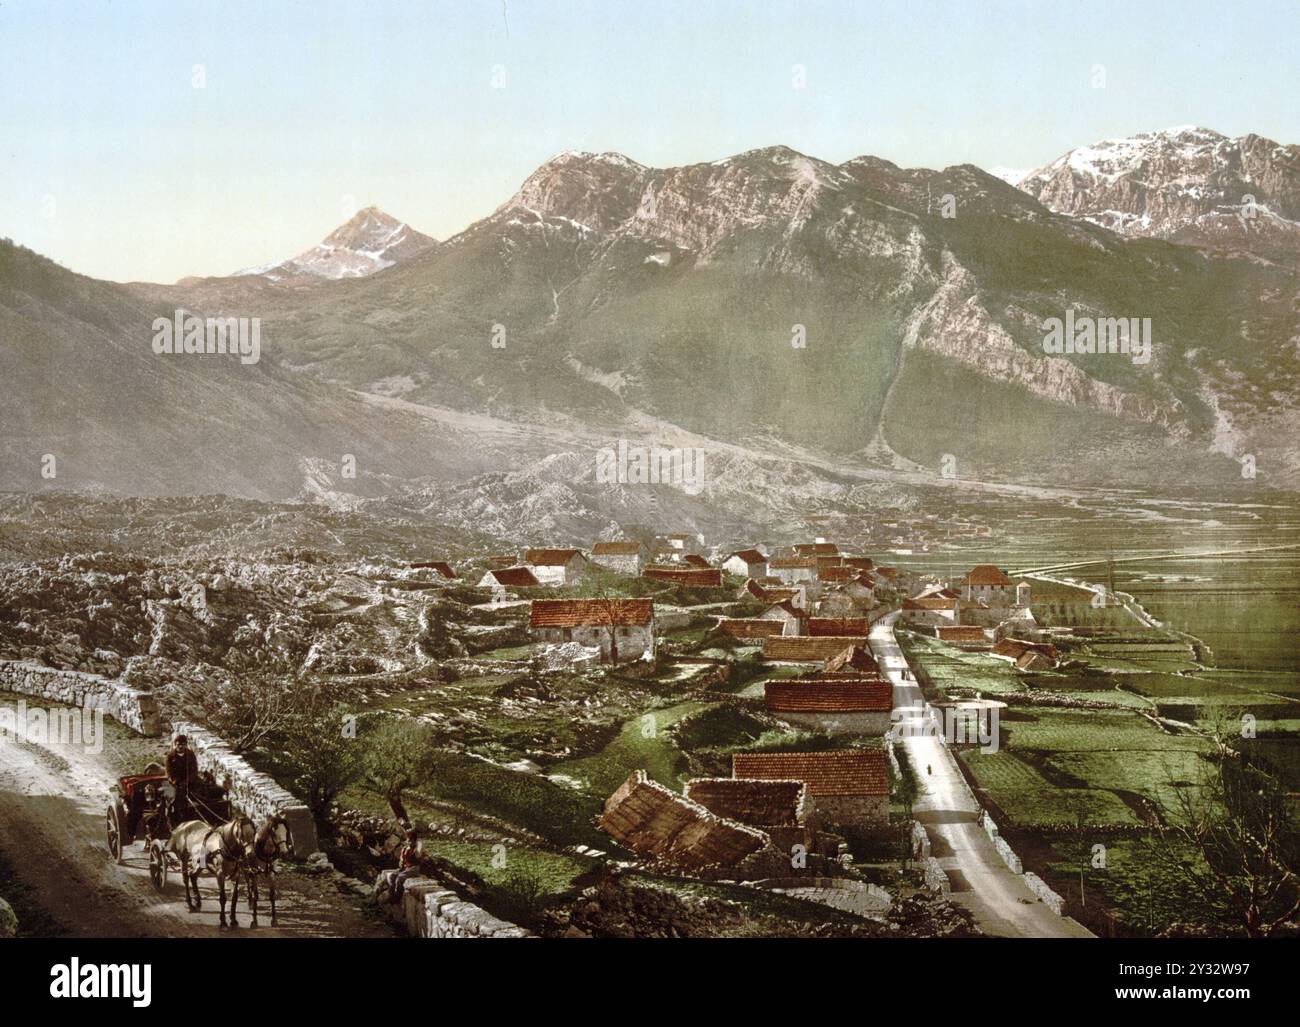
[(623, 629)]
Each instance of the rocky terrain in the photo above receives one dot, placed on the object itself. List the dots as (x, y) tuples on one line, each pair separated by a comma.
[(370, 241), (792, 317), (1190, 185)]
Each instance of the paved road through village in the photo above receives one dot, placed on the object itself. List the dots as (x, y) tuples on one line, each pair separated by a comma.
[(998, 898)]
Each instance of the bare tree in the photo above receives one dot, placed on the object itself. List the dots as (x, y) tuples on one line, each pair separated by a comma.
[(1239, 823), (242, 709)]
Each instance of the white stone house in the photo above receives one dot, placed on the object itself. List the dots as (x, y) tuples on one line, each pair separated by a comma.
[(556, 566), (622, 629), (748, 563), (621, 557), (788, 614), (930, 612), (503, 581), (794, 570)]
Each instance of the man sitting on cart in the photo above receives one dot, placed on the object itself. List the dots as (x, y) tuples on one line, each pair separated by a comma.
[(183, 773)]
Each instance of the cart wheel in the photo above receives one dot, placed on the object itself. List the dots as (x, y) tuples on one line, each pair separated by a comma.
[(114, 829), (157, 866)]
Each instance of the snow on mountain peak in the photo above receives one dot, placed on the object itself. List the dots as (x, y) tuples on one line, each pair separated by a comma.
[(369, 241)]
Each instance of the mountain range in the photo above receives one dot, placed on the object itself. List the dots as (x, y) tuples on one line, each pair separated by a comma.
[(839, 332)]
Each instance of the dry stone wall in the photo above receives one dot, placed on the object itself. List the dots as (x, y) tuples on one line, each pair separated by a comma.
[(431, 910), (258, 795), (131, 707)]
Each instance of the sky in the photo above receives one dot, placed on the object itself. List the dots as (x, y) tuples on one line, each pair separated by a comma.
[(149, 141)]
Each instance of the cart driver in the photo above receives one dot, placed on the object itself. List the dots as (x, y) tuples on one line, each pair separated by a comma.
[(182, 773)]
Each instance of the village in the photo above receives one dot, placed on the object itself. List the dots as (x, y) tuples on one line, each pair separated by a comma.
[(803, 625)]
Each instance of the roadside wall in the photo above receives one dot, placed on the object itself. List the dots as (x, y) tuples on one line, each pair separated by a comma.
[(258, 795), (130, 707), (430, 910), (255, 793)]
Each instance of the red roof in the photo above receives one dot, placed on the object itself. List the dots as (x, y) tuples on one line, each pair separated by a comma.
[(440, 566), (987, 574), (616, 549), (930, 603), (516, 577), (793, 563), (749, 556), (846, 772), (862, 563), (838, 626), (834, 574), (841, 695), (850, 659), (817, 549), (805, 649), (550, 557), (699, 577), (569, 613), (757, 803), (1015, 648), (959, 633), (695, 560)]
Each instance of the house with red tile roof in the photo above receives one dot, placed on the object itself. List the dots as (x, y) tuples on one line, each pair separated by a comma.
[(623, 629), (930, 611), (783, 810), (794, 569), (962, 636), (503, 582), (817, 549), (805, 649), (850, 786), (836, 706), (661, 826), (796, 596), (748, 563), (785, 613), (988, 582), (555, 566), (623, 557), (1026, 655), (695, 560), (690, 577), (852, 626)]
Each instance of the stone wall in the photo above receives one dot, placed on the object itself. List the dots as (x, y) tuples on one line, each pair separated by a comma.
[(1008, 854), (430, 910), (130, 707), (1039, 887), (935, 879), (256, 794)]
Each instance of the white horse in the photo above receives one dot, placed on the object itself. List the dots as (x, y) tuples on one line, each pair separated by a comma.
[(274, 840), (219, 851)]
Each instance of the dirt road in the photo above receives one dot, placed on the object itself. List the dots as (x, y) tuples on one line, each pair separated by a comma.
[(52, 836)]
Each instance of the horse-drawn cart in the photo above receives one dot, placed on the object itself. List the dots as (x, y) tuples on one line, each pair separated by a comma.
[(141, 806)]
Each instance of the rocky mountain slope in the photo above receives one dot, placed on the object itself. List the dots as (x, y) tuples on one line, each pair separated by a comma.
[(368, 242), (843, 326), (1189, 184)]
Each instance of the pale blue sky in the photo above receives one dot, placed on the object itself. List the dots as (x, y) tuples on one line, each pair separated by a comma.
[(112, 163)]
